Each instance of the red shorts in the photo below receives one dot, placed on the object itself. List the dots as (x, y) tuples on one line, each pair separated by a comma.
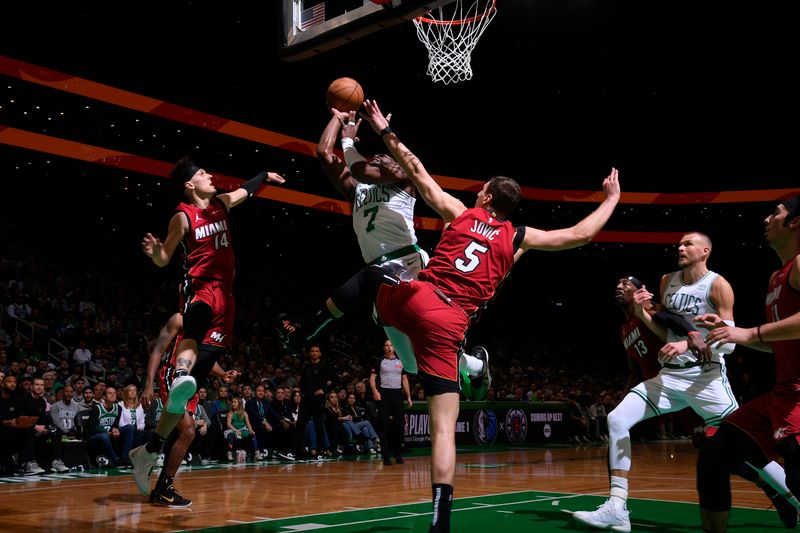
[(768, 419), (436, 328), (219, 297), (164, 379)]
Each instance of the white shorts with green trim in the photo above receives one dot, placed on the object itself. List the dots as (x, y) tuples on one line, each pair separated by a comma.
[(705, 389)]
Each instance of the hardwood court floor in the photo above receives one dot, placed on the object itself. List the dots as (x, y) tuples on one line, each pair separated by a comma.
[(255, 494)]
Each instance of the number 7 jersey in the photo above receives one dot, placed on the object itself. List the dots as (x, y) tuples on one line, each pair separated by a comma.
[(207, 248), (383, 219), (473, 257)]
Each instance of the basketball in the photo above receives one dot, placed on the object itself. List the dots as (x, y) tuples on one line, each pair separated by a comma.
[(345, 94)]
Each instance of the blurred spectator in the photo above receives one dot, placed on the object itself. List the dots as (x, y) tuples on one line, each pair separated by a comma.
[(104, 428), (212, 393), (49, 378), (131, 422), (247, 394), (78, 385), (39, 439), (19, 308), (239, 434), (220, 404), (10, 411), (62, 413), (123, 371), (82, 355), (358, 427), (25, 383), (202, 445), (334, 424), (263, 420), (87, 402)]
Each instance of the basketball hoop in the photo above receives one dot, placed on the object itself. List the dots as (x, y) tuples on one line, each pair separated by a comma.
[(450, 38)]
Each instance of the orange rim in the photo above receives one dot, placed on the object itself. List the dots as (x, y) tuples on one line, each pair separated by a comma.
[(460, 22)]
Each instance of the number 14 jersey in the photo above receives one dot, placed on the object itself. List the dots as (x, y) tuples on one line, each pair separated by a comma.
[(207, 249), (473, 257)]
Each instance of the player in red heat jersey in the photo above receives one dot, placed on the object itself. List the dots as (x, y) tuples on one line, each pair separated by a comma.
[(475, 253), (162, 362), (200, 226), (769, 425)]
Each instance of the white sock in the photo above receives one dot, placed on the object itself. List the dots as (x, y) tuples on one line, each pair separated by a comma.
[(472, 365), (619, 491), (774, 475)]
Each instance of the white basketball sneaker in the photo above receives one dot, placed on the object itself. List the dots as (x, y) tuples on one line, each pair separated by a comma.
[(143, 464), (607, 516)]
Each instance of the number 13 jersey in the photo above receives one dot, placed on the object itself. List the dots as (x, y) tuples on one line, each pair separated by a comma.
[(473, 257)]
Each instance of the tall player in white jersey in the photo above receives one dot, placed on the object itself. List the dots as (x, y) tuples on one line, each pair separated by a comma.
[(685, 379)]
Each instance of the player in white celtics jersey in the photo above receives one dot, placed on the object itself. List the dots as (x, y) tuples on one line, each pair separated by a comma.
[(686, 378), (383, 201), (383, 198)]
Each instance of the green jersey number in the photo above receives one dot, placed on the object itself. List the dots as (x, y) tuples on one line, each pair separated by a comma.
[(372, 212)]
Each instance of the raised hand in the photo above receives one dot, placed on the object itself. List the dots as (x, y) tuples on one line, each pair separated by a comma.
[(372, 114), (350, 126), (611, 184), (273, 177)]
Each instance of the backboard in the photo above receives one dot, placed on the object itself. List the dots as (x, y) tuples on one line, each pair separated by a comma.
[(314, 26)]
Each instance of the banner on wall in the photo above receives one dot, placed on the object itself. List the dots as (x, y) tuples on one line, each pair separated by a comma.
[(487, 423)]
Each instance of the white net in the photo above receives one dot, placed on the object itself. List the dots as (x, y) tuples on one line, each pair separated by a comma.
[(450, 33)]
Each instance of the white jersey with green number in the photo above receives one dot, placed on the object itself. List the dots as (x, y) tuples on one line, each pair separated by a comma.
[(690, 301), (383, 219)]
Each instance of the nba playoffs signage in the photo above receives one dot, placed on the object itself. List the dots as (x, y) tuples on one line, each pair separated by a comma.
[(487, 423)]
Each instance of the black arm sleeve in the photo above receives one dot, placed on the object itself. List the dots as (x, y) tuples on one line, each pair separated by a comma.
[(674, 322), (251, 186)]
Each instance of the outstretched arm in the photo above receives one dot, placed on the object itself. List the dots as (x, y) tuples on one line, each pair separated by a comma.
[(337, 171), (249, 188), (584, 231), (449, 207)]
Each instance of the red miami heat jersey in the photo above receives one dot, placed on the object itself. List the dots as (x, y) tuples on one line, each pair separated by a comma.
[(783, 301), (207, 248), (642, 345), (475, 253)]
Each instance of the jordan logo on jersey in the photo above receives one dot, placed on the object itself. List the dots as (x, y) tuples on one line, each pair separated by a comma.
[(197, 217)]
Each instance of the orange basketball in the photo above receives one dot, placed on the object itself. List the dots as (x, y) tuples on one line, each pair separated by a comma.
[(345, 94)]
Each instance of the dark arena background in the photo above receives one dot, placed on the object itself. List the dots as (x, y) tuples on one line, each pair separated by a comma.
[(694, 102)]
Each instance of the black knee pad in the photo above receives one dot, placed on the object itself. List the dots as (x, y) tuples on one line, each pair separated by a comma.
[(196, 321)]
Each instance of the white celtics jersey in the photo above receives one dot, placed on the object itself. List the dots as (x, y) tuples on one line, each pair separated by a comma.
[(690, 301), (383, 219)]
